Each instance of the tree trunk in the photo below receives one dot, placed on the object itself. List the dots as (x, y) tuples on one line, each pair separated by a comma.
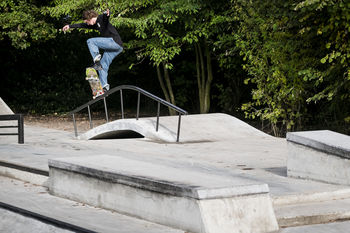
[(167, 89), (160, 79), (168, 83), (204, 76)]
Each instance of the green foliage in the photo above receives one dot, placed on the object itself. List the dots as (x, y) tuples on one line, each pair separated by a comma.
[(333, 30), (157, 27), (284, 51), (23, 22), (282, 62)]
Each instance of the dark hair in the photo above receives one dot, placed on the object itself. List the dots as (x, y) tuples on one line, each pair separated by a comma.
[(89, 14)]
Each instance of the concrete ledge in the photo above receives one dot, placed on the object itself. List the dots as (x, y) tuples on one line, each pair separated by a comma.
[(183, 199), (319, 155), (158, 178), (323, 140)]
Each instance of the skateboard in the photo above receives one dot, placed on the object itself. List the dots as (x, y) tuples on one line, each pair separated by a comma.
[(94, 81)]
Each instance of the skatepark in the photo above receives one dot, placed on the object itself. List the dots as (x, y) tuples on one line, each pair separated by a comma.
[(222, 176)]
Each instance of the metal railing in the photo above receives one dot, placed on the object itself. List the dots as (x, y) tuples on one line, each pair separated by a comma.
[(139, 91), (20, 126)]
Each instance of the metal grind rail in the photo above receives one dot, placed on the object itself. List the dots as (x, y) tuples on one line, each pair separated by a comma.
[(139, 91)]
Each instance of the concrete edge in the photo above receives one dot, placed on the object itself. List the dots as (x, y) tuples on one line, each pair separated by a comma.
[(311, 197), (320, 146), (24, 168), (27, 174), (162, 186), (45, 219)]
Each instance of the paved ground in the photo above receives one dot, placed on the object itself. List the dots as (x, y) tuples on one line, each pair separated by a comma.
[(213, 143), (220, 144), (36, 199)]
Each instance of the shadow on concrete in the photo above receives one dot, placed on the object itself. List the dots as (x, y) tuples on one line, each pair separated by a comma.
[(120, 134), (280, 171)]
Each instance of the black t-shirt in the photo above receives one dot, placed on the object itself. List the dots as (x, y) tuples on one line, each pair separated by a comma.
[(103, 26)]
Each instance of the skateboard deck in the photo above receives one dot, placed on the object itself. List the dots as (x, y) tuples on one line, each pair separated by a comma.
[(94, 81)]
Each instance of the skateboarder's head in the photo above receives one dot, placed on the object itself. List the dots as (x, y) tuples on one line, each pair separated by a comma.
[(89, 17)]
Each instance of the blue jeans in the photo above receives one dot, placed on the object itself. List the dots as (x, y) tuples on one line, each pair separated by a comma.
[(111, 50)]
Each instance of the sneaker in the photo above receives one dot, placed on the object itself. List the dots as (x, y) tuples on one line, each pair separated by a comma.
[(97, 58), (106, 88), (97, 65)]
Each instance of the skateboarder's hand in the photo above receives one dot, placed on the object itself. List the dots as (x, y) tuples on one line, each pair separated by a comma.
[(65, 28)]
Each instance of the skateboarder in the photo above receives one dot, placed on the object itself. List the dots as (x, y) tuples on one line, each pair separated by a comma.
[(109, 41)]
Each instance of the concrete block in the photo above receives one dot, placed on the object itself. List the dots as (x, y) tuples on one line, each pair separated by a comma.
[(185, 199), (319, 155), (6, 110)]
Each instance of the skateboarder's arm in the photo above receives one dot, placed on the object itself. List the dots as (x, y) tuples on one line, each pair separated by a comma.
[(78, 25), (81, 25)]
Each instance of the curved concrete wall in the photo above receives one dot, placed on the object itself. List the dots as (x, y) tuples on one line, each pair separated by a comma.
[(201, 127), (144, 127)]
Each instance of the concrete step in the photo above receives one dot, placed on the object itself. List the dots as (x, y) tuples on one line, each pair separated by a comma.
[(25, 207), (319, 195), (24, 173), (313, 212), (337, 227)]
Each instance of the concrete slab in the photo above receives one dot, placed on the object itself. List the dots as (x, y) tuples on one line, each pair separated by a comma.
[(11, 222), (319, 155), (37, 200), (159, 178), (313, 213), (259, 159), (338, 227), (232, 151), (323, 140), (177, 197)]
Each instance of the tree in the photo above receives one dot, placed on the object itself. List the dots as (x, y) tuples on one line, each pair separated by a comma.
[(24, 22), (157, 27), (333, 30)]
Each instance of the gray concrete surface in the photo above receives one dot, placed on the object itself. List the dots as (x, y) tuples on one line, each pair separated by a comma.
[(339, 227), (144, 127), (308, 163), (36, 199), (323, 140), (319, 155), (6, 110), (160, 178), (213, 127), (177, 197), (13, 222), (242, 153), (213, 143), (313, 213)]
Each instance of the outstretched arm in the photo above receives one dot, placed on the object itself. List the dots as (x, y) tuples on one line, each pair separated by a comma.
[(78, 25)]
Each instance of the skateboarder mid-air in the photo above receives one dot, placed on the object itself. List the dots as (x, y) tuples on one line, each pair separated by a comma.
[(110, 42)]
